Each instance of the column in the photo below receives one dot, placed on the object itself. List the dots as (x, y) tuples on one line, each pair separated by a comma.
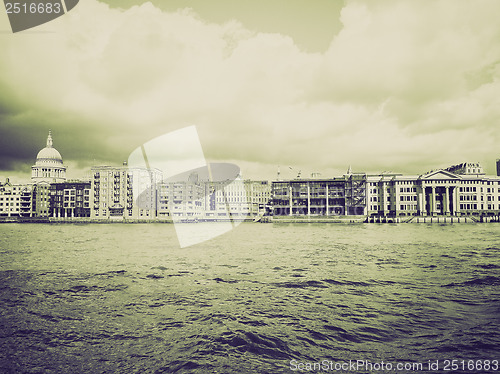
[(327, 202), (447, 201), (290, 194), (423, 208), (384, 198), (397, 199), (428, 202), (308, 199), (456, 200), (433, 201)]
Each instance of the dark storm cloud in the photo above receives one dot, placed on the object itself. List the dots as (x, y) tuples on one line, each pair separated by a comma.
[(23, 133)]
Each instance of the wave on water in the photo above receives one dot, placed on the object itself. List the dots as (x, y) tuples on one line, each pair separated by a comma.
[(478, 281)]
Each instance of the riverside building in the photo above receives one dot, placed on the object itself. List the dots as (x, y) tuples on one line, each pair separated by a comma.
[(196, 199), (341, 196), (459, 190), (69, 199), (16, 200), (123, 192), (258, 196)]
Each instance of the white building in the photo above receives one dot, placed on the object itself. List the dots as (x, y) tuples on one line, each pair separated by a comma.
[(459, 190), (123, 192), (49, 165), (210, 201)]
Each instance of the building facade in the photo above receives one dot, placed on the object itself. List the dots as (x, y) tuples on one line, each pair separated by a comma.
[(10, 199), (69, 199), (196, 199), (41, 200), (258, 196), (320, 197), (181, 200), (460, 190), (123, 192)]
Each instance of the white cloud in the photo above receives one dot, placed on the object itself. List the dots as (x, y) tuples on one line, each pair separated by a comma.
[(404, 83)]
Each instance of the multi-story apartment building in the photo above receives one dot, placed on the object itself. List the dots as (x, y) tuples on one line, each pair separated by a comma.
[(10, 199), (226, 200), (208, 200), (123, 192), (27, 199), (181, 200), (320, 197), (69, 199), (258, 196), (41, 199)]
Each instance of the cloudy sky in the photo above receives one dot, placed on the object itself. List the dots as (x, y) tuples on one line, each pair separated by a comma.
[(318, 85)]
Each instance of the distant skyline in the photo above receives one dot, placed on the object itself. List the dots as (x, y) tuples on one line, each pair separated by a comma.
[(401, 86)]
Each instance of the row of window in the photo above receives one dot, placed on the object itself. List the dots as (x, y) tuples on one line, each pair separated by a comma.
[(470, 206), (467, 189), (468, 197)]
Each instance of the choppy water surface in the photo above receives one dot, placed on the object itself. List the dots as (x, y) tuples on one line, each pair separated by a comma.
[(127, 299)]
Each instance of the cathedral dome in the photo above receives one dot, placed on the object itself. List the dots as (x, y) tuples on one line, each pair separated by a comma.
[(49, 155), (49, 165)]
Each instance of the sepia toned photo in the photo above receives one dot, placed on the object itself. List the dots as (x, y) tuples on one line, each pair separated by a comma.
[(231, 186)]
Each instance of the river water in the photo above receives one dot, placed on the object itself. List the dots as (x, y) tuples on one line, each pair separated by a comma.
[(263, 298)]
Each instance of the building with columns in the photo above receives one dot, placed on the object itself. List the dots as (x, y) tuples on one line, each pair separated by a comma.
[(49, 165), (340, 196), (70, 199), (459, 190)]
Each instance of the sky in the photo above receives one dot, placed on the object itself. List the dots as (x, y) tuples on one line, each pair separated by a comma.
[(307, 85)]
